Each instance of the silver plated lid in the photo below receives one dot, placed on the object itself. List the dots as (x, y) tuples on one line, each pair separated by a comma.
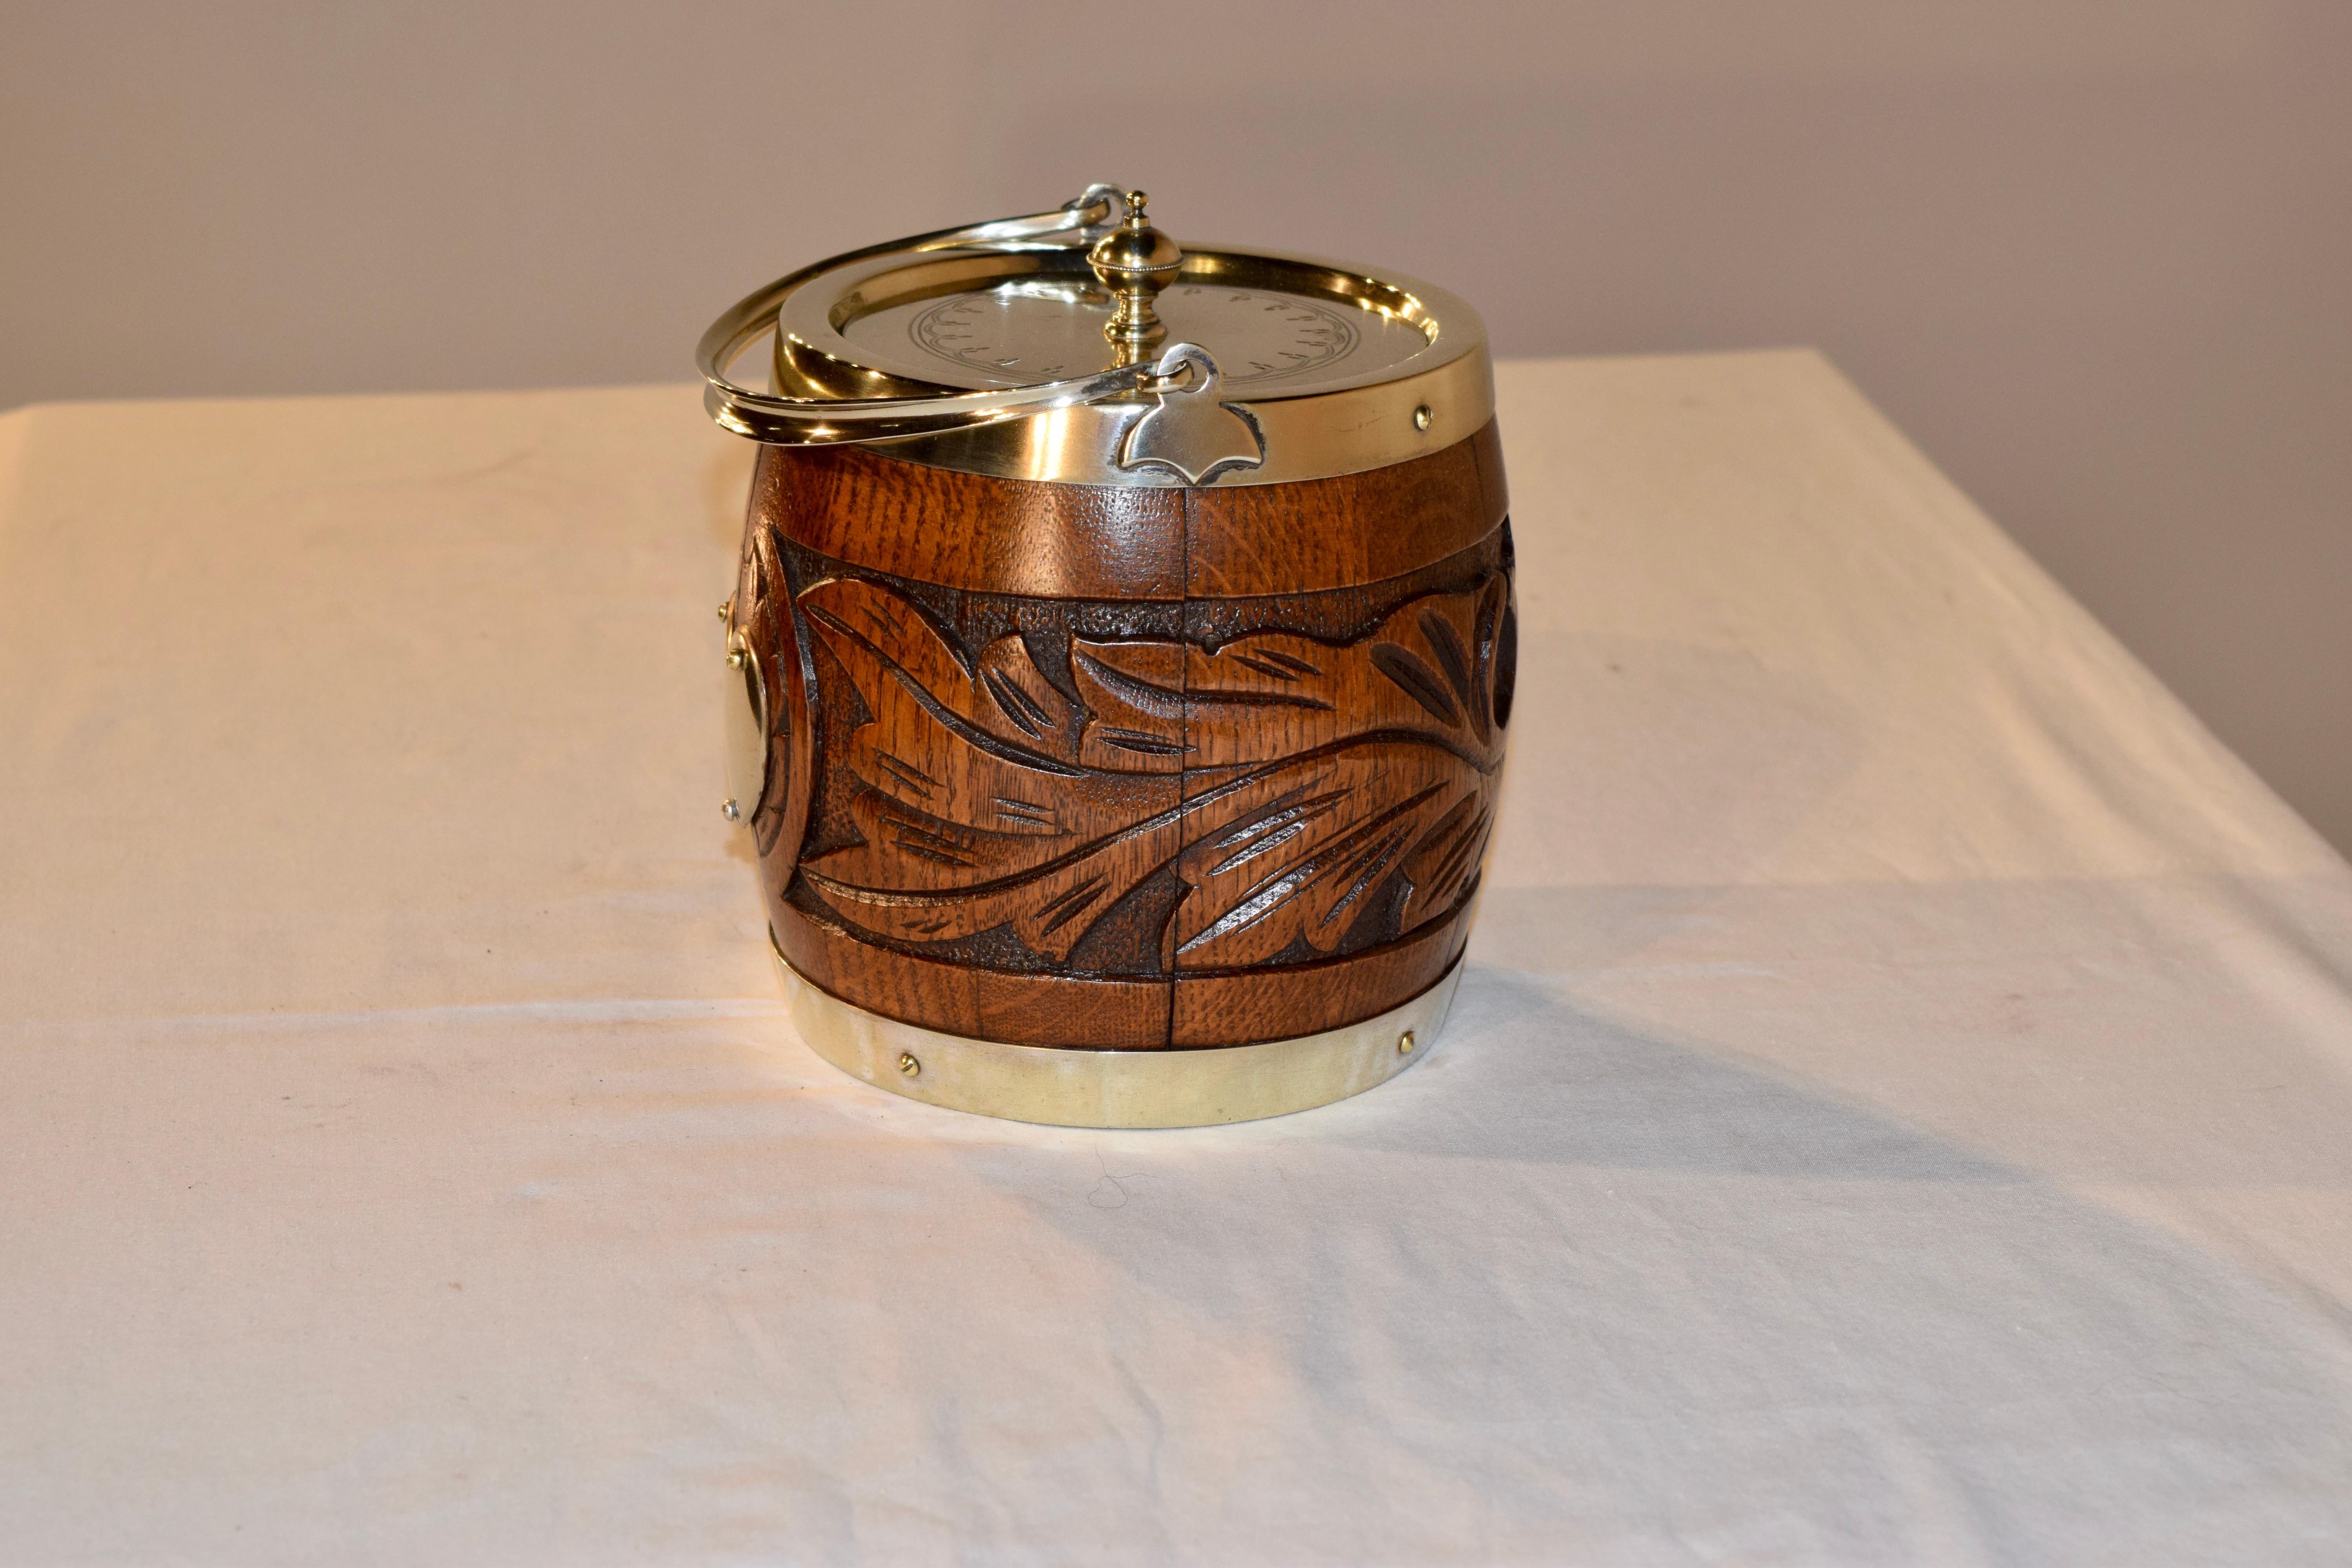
[(1085, 346)]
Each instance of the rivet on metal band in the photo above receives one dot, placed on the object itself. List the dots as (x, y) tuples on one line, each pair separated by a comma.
[(1074, 1088)]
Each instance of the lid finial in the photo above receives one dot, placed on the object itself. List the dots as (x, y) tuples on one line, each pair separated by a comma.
[(1135, 261)]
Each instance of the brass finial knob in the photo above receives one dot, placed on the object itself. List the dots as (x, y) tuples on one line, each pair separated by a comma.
[(1135, 261)]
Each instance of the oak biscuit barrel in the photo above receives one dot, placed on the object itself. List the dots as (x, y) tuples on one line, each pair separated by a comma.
[(1121, 655)]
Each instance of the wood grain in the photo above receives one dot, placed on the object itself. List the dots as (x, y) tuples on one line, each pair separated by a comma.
[(1022, 537), (1238, 1007), (1244, 540), (1119, 821), (964, 999), (967, 531)]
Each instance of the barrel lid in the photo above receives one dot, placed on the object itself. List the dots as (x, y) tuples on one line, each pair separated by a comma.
[(1086, 346)]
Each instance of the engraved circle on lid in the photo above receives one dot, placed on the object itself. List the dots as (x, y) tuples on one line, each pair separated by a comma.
[(1033, 330)]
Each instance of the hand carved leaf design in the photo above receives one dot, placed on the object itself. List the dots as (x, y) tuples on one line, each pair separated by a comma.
[(1452, 657), (958, 819), (1331, 854), (1416, 680), (1134, 699), (983, 800), (1270, 694)]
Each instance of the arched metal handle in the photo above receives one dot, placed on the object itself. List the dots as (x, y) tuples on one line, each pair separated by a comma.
[(813, 421)]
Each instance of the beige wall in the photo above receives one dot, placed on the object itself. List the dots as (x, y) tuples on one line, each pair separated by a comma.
[(2094, 255)]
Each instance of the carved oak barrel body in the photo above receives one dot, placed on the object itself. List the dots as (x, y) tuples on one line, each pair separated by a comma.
[(1137, 802)]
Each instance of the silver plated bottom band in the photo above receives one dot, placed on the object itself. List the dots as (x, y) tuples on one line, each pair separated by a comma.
[(1116, 1088)]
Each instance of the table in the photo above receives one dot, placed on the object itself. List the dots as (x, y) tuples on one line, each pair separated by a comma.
[(1898, 1109)]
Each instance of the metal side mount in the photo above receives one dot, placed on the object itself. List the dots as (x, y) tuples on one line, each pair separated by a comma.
[(1190, 434), (747, 728)]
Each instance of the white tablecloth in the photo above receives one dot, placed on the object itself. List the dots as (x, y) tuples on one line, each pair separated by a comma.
[(1899, 1108)]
